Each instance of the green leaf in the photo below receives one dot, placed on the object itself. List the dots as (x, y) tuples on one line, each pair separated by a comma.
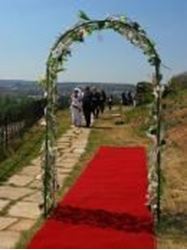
[(123, 19), (135, 25), (83, 16), (59, 58), (101, 25), (77, 36), (60, 70), (89, 30)]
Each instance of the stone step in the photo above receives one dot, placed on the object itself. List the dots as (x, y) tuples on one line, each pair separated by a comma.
[(6, 222), (25, 209), (9, 239), (14, 193), (20, 180)]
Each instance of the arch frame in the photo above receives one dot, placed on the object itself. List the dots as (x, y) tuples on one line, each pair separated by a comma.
[(59, 53)]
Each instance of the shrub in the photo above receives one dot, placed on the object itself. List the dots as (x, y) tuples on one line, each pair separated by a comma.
[(144, 93)]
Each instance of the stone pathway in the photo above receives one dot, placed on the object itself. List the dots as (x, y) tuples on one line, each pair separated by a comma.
[(21, 195)]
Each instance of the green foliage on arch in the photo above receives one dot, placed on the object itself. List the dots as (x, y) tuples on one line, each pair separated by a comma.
[(59, 53), (130, 30)]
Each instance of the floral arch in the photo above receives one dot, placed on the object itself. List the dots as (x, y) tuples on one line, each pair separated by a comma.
[(59, 53)]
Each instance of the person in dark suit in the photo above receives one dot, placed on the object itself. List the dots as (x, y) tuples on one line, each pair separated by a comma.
[(87, 106), (95, 102), (102, 101)]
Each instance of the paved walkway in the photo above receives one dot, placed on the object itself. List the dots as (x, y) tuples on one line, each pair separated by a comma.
[(21, 194)]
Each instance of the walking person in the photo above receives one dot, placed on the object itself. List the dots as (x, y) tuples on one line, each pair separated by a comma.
[(95, 102), (87, 106), (102, 101), (76, 108), (130, 98), (110, 102), (124, 98)]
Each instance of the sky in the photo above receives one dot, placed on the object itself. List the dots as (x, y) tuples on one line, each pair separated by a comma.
[(28, 29)]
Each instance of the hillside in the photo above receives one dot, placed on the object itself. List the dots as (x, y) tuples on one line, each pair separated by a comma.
[(174, 199), (31, 88), (178, 81)]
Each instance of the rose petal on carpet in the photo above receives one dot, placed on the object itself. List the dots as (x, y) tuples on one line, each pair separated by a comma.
[(106, 206)]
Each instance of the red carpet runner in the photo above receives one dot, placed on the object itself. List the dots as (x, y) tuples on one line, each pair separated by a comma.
[(105, 208)]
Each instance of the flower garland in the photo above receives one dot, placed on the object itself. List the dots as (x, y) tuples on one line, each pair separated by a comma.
[(59, 54)]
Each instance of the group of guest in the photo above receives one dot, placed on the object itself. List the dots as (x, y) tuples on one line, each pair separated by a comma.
[(127, 98), (87, 102)]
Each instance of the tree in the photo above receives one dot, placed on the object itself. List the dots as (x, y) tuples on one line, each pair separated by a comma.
[(178, 82), (144, 93)]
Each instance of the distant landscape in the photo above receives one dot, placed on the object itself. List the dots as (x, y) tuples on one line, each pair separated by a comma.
[(32, 89)]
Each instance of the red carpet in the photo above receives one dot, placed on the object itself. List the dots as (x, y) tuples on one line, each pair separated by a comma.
[(105, 208)]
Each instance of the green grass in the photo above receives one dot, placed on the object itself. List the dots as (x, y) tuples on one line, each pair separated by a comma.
[(27, 235), (139, 117), (29, 147), (172, 230)]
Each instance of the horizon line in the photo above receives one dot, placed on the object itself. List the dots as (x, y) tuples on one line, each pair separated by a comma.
[(96, 82)]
